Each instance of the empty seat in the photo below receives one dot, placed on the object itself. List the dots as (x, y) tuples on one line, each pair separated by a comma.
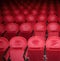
[(43, 11), (25, 12), (15, 11), (8, 18), (6, 11), (35, 50), (26, 30), (4, 44), (40, 29), (34, 12), (53, 48), (52, 18), (20, 18), (53, 29), (11, 30), (17, 47), (42, 18), (52, 12), (31, 19)]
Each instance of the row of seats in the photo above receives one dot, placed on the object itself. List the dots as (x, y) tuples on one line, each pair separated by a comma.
[(20, 50), (27, 29), (20, 18), (30, 12)]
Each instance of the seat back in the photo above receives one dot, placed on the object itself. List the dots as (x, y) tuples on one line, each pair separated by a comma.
[(26, 30), (36, 48), (3, 46), (40, 29), (17, 46), (53, 29), (11, 30), (53, 48)]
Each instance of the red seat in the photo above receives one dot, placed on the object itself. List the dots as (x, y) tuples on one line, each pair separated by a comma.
[(6, 12), (51, 12), (11, 30), (53, 48), (20, 18), (43, 11), (53, 29), (3, 47), (21, 7), (26, 30), (25, 12), (16, 12), (31, 19), (40, 29), (35, 48), (52, 18), (34, 12), (42, 18), (8, 18), (17, 47)]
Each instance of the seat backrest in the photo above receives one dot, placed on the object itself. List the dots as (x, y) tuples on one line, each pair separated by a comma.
[(26, 28), (42, 18), (11, 30), (35, 48), (40, 29), (17, 46), (53, 29), (53, 43), (52, 18), (3, 46)]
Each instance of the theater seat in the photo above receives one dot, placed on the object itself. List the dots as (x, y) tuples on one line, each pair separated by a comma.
[(31, 19), (42, 18), (8, 18), (4, 44), (26, 30), (53, 48), (40, 29), (35, 50), (11, 30), (17, 46), (53, 29), (52, 18), (20, 18)]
